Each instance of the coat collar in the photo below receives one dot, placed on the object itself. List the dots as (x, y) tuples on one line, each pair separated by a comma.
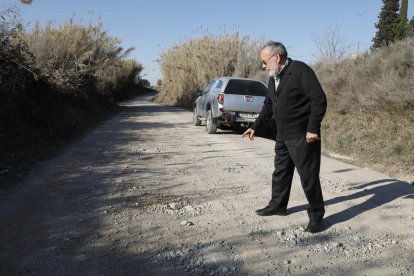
[(288, 68)]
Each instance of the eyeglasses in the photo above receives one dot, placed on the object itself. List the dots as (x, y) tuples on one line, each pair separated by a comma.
[(266, 62)]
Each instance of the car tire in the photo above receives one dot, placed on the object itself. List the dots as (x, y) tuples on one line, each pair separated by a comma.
[(196, 121), (211, 123)]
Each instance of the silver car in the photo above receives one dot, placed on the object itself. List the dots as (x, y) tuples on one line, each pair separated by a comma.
[(229, 101)]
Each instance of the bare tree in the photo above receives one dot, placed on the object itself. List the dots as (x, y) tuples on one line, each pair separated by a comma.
[(332, 46)]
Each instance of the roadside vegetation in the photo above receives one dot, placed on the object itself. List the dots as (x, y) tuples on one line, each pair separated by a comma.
[(55, 82), (188, 66), (370, 115)]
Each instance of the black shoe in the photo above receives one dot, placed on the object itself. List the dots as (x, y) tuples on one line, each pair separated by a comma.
[(268, 211), (314, 226)]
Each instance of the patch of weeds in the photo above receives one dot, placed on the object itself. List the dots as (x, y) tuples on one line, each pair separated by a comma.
[(397, 149), (359, 149), (343, 141), (325, 127), (395, 129)]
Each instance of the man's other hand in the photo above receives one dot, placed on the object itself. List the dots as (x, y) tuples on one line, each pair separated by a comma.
[(312, 137)]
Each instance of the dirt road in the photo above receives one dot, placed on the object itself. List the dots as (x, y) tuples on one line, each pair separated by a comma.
[(147, 193)]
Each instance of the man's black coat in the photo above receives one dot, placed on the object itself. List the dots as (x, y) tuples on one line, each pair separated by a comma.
[(298, 105)]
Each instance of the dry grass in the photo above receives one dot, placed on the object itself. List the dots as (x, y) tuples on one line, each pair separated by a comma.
[(73, 56), (190, 65), (383, 140), (371, 109), (380, 79)]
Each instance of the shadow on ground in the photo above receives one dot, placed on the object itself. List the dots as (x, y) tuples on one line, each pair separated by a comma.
[(381, 192)]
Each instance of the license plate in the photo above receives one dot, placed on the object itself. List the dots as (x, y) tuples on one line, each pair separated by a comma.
[(248, 115)]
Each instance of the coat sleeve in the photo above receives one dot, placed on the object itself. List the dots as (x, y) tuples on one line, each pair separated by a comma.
[(317, 97), (266, 113)]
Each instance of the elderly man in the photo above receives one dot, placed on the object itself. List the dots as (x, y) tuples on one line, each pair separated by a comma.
[(297, 102)]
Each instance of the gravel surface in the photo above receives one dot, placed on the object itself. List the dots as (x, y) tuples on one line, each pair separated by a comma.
[(147, 193)]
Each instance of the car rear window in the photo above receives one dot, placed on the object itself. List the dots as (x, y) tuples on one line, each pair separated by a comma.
[(245, 87)]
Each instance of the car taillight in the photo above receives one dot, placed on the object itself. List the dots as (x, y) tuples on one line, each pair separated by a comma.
[(220, 98)]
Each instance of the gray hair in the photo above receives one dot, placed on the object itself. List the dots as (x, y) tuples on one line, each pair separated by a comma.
[(276, 48)]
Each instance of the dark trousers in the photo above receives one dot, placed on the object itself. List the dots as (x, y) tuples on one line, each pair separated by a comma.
[(306, 157)]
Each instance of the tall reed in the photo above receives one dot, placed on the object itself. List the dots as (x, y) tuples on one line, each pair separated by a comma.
[(189, 65)]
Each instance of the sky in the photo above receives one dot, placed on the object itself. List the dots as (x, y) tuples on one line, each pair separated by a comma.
[(154, 26)]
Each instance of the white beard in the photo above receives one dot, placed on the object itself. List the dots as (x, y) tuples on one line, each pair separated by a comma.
[(273, 72)]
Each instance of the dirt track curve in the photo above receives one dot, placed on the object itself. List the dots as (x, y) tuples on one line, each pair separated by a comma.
[(147, 193)]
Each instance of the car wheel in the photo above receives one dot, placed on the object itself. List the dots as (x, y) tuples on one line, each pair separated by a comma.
[(211, 124), (196, 121)]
